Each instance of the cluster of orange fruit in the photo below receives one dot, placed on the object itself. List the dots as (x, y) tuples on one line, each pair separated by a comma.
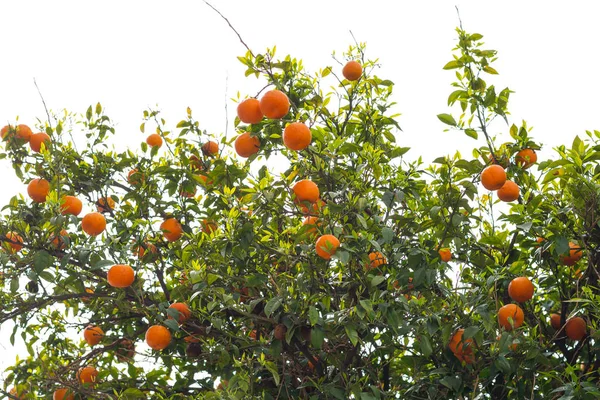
[(24, 134), (494, 176)]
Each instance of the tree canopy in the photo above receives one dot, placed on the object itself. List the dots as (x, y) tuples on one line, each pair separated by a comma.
[(309, 255)]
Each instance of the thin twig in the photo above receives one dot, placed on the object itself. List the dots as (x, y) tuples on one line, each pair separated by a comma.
[(43, 102), (231, 26)]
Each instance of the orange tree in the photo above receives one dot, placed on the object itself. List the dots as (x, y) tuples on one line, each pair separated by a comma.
[(318, 262)]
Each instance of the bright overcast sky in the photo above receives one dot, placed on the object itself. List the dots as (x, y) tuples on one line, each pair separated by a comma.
[(130, 55)]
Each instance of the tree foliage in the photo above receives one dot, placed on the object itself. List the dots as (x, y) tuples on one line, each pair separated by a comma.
[(269, 318)]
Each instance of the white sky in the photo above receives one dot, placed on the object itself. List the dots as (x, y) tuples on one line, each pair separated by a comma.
[(129, 55)]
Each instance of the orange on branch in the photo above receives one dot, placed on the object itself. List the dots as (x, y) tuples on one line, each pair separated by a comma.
[(376, 259), (93, 335), (555, 321), (462, 349), (246, 145), (184, 312), (36, 140), (296, 136), (512, 311), (576, 328), (171, 229), (87, 375), (575, 254), (158, 337), (248, 111), (15, 241), (120, 276), (493, 177), (208, 226), (6, 131), (38, 189), (274, 104), (327, 246), (141, 249), (63, 394), (520, 289), (210, 148), (93, 223), (352, 70), (134, 177), (313, 221), (125, 350), (306, 190), (508, 192), (526, 158), (445, 254), (105, 204), (71, 205), (154, 140)]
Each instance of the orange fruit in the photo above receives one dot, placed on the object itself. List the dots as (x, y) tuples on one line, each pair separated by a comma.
[(539, 239), (87, 375), (63, 394), (575, 328), (246, 145), (316, 207), (575, 254), (141, 250), (38, 189), (352, 70), (20, 396), (191, 339), (158, 337), (125, 350), (93, 335), (311, 221), (512, 311), (526, 158), (59, 241), (520, 289), (154, 140), (6, 130), (15, 241), (248, 111), (296, 136), (274, 104), (85, 299), (93, 223), (71, 205), (105, 204), (24, 132), (462, 349), (376, 259), (36, 140), (280, 331), (493, 177), (306, 190), (445, 254), (120, 276), (171, 229), (208, 226), (196, 163), (555, 321), (508, 192), (184, 312), (326, 246), (134, 177), (210, 148)]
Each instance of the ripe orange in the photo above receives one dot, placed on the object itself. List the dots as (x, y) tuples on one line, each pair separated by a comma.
[(555, 321), (20, 396), (6, 130), (316, 207), (71, 205), (493, 177), (208, 226), (120, 276), (184, 312), (311, 221), (63, 394), (93, 223), (352, 70), (15, 241), (445, 254), (326, 246), (210, 148), (154, 140), (105, 204), (196, 163), (508, 192), (462, 349), (158, 337), (171, 229), (24, 132), (274, 104), (125, 350), (575, 254), (246, 145), (134, 177), (512, 311), (141, 250), (520, 289), (60, 241), (248, 111), (575, 328), (36, 140), (93, 335), (296, 136), (376, 259), (306, 190), (526, 158), (38, 189), (87, 375)]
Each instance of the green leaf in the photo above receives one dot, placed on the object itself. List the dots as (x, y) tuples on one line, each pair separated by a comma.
[(102, 263), (352, 334), (426, 348), (447, 119), (172, 323), (490, 70), (471, 133), (453, 64), (377, 279), (317, 336), (388, 234), (272, 305), (41, 260), (313, 315), (273, 370)]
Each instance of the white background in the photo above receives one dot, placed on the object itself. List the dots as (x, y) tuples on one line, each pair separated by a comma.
[(130, 55)]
